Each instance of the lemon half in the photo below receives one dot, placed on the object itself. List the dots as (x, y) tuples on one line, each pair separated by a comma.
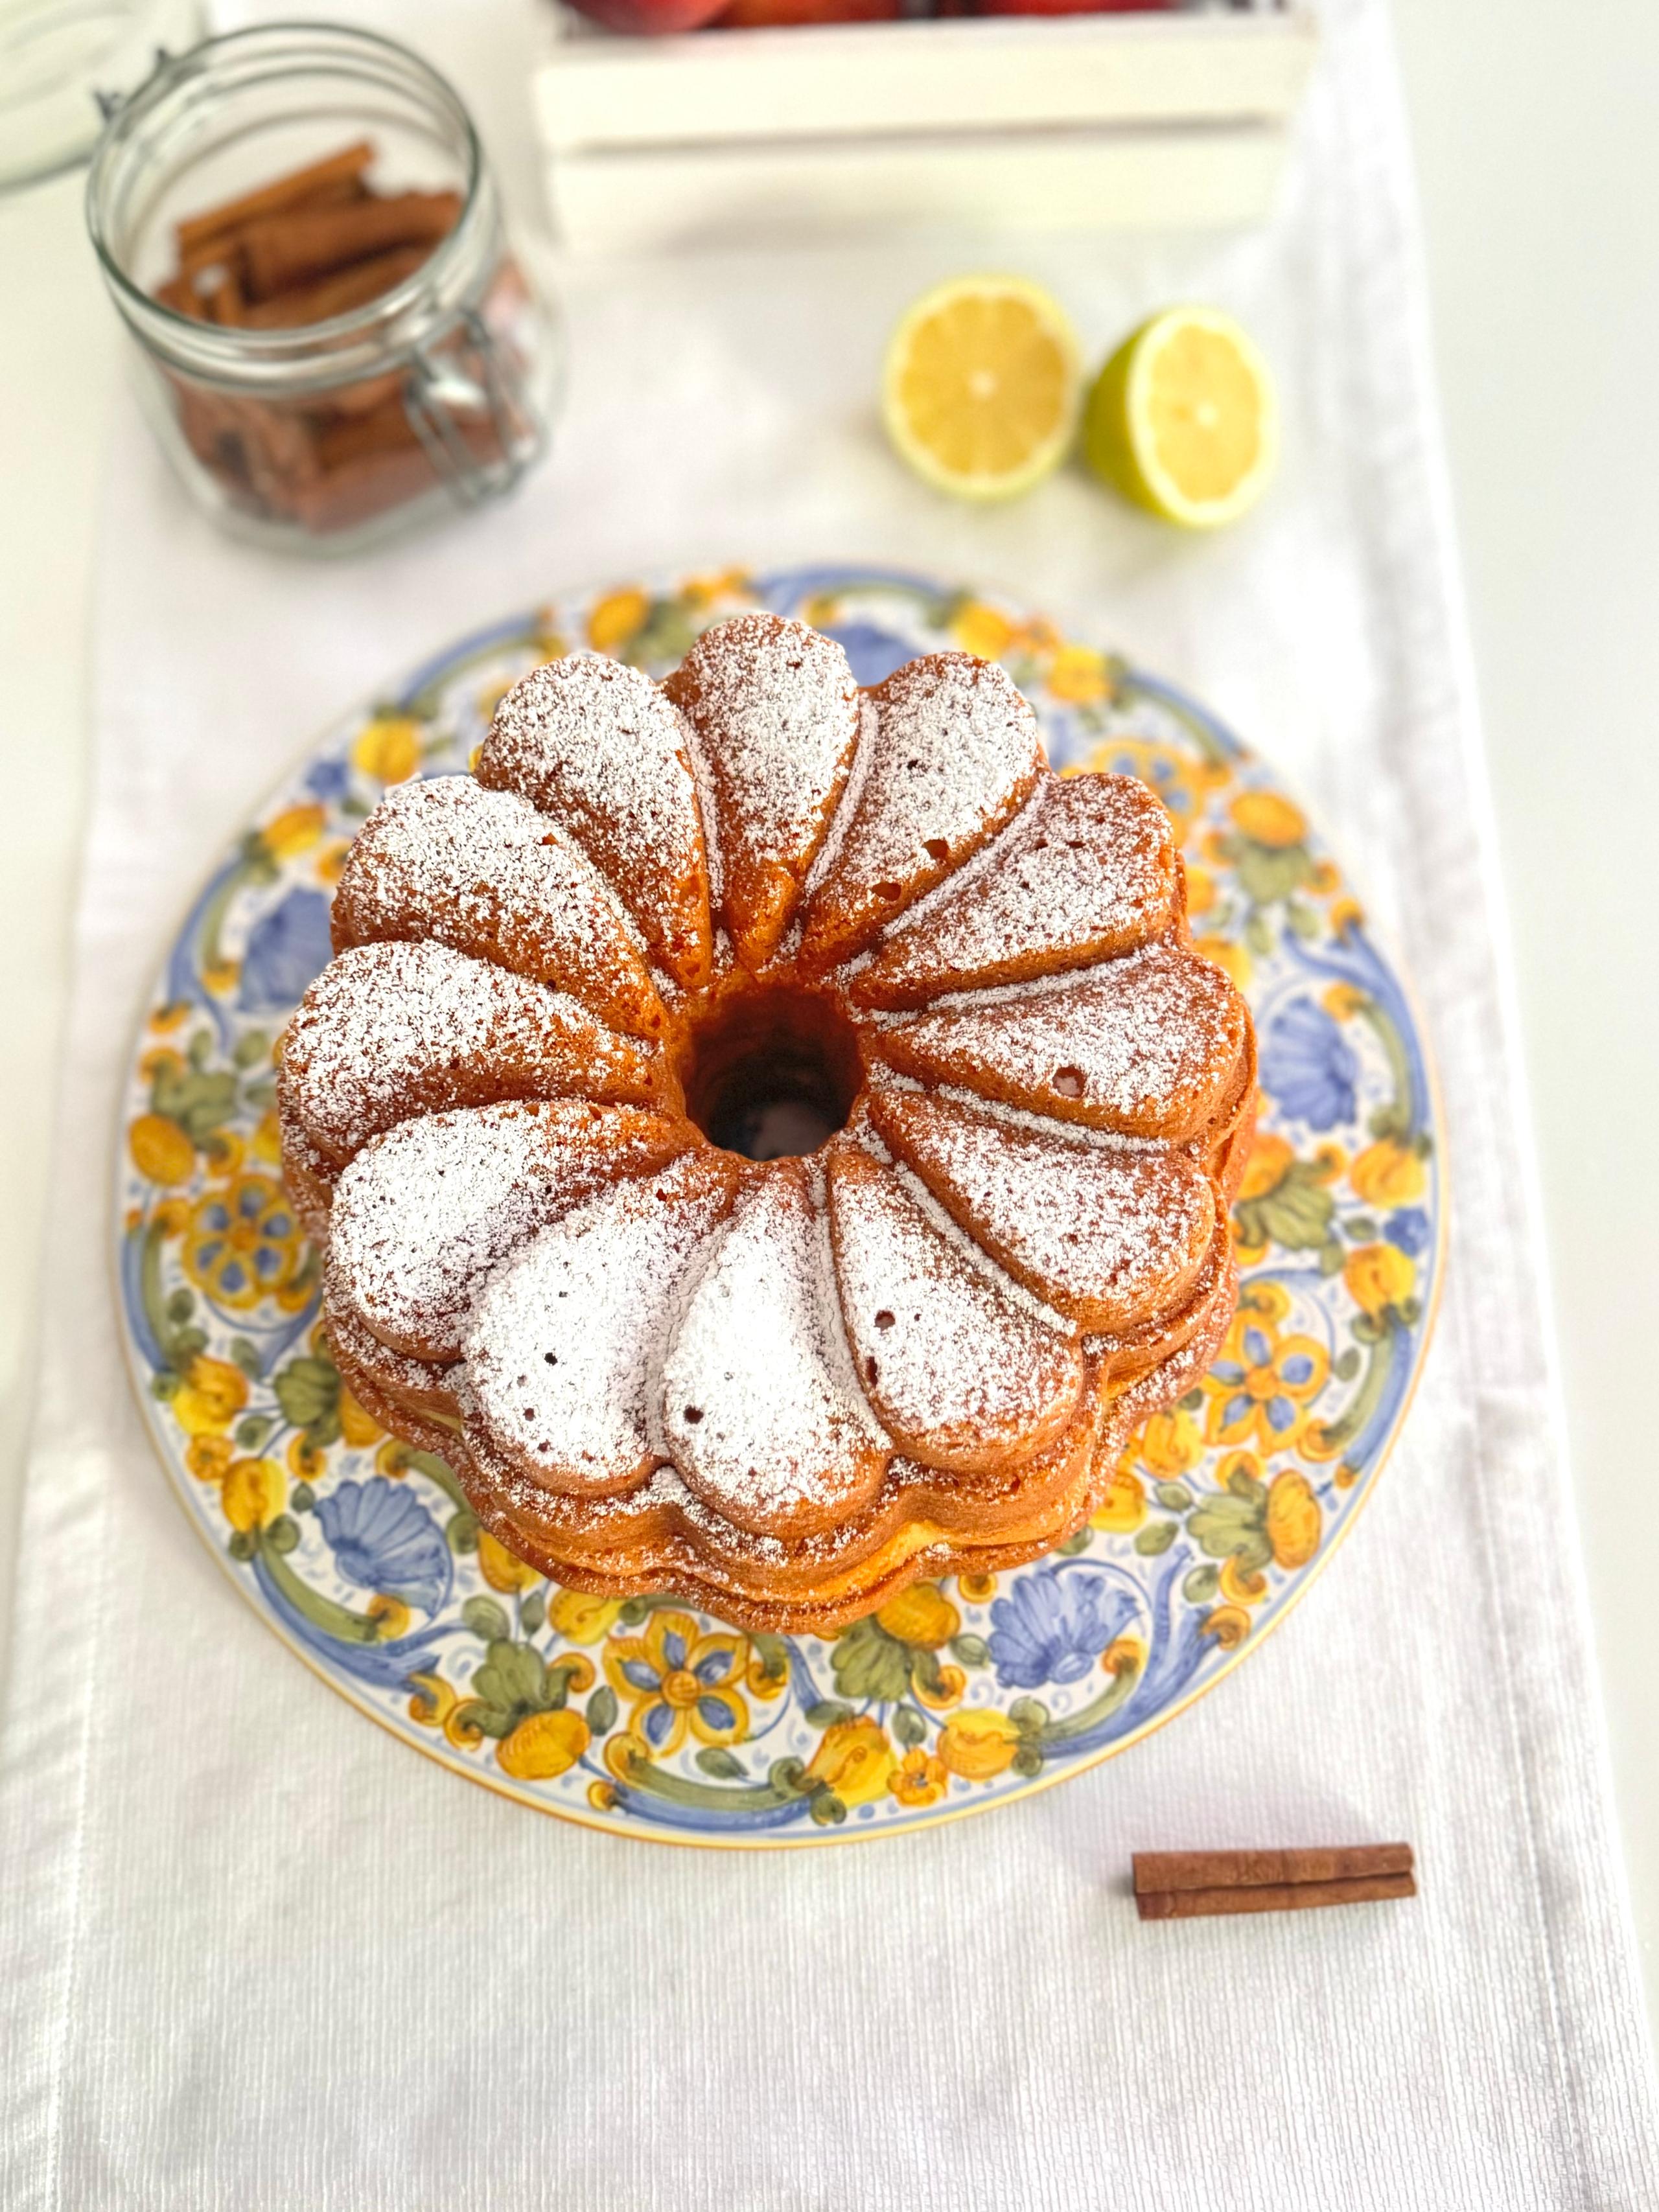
[(980, 385), (1183, 418)]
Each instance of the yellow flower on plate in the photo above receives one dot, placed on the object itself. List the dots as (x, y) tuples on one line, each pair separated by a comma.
[(1261, 1386), (725, 584), (582, 1617), (978, 1744), (616, 618), (388, 748), (501, 1569), (1077, 674), (922, 1614), (389, 1614), (253, 1492), (981, 629), (360, 1429), (1124, 1505), (1266, 817), (245, 1243), (1201, 889), (675, 1677), (1229, 1624), (1169, 1443), (266, 1143), (432, 1700), (1294, 1525), (208, 1457), (919, 1778), (1242, 1585), (1342, 1001), (855, 1758), (296, 830), (307, 1460), (1378, 1276), (210, 1397), (978, 1590), (1388, 1173), (1228, 954), (544, 1745), (160, 1150)]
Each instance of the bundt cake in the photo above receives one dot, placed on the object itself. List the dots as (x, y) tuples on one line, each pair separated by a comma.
[(772, 1139)]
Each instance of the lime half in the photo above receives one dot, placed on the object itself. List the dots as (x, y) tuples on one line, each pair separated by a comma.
[(1183, 420)]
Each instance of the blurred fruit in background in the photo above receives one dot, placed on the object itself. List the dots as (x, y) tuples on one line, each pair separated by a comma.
[(1058, 7), (756, 15), (657, 17), (654, 18)]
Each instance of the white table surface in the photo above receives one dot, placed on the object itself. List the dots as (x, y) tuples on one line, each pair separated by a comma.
[(1534, 139)]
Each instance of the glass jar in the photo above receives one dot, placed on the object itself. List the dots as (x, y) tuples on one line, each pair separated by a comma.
[(308, 419), (57, 56)]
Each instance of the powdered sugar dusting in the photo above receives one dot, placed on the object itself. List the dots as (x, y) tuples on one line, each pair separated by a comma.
[(761, 1410), (1146, 1044), (777, 716), (1086, 870), (954, 751), (562, 1357), (424, 1214), (1004, 1185), (391, 1032), (958, 1371), (424, 1384), (484, 872), (597, 745), (1108, 1233)]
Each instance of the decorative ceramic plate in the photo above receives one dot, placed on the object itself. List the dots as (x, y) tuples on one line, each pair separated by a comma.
[(644, 1717)]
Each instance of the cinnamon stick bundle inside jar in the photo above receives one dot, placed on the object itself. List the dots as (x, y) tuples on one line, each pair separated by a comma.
[(337, 344)]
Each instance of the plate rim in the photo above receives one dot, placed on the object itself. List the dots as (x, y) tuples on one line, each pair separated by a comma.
[(812, 1838)]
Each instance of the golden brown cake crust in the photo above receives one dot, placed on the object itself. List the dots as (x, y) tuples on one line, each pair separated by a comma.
[(563, 1115)]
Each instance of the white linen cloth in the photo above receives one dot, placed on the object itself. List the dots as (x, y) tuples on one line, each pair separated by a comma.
[(253, 1953)]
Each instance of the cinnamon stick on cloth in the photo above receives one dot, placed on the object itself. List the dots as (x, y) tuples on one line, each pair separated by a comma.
[(1193, 1885)]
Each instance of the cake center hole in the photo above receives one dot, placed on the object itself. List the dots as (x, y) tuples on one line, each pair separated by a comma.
[(772, 1073)]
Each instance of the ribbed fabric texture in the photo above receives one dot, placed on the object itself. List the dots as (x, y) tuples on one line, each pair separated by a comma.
[(255, 1952)]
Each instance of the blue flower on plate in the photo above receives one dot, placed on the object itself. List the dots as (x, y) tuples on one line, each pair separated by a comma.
[(1408, 1231), (383, 1539), (1055, 1626), (873, 653), (1308, 1065), (328, 779), (287, 949)]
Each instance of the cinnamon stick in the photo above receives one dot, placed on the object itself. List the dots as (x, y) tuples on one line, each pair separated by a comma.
[(1271, 1897), (352, 437), (334, 296), (1164, 1870), (302, 249), (327, 177), (284, 251)]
